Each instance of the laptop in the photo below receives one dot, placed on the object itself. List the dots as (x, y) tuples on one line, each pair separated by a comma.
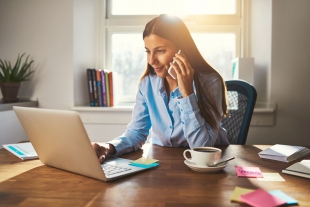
[(60, 140)]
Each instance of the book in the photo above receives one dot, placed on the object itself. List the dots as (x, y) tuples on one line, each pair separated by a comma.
[(100, 87), (24, 151), (111, 88), (90, 87), (95, 87), (107, 87), (301, 169), (98, 79), (103, 89), (284, 153)]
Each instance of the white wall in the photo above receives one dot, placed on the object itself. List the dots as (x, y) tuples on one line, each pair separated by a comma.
[(11, 131), (85, 50), (44, 30), (290, 69), (61, 37), (284, 59), (260, 46)]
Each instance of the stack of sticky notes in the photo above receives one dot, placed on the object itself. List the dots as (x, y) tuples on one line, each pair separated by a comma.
[(145, 162), (252, 172), (262, 198)]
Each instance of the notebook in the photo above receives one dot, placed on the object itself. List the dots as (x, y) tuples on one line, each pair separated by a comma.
[(61, 141), (24, 151), (284, 153), (301, 169)]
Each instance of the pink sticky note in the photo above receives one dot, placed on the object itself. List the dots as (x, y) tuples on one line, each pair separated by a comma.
[(253, 172), (261, 198)]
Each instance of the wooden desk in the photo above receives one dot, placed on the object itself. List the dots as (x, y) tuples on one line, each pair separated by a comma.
[(29, 183)]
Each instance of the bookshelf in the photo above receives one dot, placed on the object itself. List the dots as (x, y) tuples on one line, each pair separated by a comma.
[(22, 102)]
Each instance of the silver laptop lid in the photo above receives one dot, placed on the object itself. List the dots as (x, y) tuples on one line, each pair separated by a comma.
[(60, 140)]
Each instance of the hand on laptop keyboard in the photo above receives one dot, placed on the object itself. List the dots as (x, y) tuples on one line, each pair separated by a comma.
[(103, 151)]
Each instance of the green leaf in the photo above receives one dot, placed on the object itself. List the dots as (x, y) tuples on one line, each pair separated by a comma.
[(17, 64), (24, 71), (19, 72), (6, 71)]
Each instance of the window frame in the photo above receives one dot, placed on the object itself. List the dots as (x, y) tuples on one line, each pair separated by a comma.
[(116, 24)]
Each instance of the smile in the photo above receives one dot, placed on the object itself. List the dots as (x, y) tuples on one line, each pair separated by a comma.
[(158, 69)]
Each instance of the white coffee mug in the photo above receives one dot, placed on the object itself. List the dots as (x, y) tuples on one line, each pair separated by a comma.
[(204, 156)]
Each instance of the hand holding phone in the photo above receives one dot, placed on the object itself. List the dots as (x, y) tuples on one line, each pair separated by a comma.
[(171, 71)]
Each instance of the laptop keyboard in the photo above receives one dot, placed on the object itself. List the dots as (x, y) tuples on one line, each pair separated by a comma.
[(113, 169)]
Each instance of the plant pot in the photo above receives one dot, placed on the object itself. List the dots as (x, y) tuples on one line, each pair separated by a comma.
[(9, 91)]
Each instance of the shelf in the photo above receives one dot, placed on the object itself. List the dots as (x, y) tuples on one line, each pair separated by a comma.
[(259, 108), (265, 107), (22, 102), (127, 108), (263, 115)]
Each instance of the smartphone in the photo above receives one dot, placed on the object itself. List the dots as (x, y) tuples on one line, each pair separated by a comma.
[(171, 71)]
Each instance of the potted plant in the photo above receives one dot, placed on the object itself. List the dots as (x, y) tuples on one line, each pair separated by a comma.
[(11, 77)]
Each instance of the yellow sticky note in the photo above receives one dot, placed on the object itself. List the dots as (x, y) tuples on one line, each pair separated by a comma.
[(238, 192), (145, 161), (271, 177)]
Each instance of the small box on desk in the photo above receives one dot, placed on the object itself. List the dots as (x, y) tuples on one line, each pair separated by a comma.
[(243, 68)]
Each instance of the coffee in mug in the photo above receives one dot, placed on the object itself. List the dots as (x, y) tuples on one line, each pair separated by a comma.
[(204, 156)]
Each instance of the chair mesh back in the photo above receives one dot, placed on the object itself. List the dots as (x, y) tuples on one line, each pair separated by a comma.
[(237, 104)]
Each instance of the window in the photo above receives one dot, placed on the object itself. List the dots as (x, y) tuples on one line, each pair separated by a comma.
[(185, 7), (215, 25)]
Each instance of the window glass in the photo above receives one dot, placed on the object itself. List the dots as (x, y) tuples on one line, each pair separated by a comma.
[(129, 58), (177, 7), (218, 49), (216, 27), (128, 63)]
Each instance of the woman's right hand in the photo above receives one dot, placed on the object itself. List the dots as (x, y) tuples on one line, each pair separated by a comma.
[(185, 74), (103, 151)]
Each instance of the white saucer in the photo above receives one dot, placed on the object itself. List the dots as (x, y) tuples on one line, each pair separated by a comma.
[(205, 169)]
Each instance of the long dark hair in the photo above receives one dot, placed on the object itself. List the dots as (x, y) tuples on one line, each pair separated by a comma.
[(173, 29)]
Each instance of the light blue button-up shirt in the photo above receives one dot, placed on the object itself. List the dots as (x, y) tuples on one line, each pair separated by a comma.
[(174, 123)]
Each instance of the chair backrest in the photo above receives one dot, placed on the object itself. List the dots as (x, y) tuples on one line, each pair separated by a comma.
[(241, 98)]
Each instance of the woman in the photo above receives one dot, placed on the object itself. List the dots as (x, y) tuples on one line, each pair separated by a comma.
[(182, 112)]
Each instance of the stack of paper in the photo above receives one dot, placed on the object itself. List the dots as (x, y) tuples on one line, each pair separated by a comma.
[(301, 169), (284, 153)]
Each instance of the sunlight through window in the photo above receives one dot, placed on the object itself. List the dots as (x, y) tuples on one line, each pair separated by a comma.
[(175, 7), (214, 25)]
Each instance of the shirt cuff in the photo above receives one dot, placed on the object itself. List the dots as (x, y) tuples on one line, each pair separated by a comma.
[(188, 104), (190, 113), (117, 145)]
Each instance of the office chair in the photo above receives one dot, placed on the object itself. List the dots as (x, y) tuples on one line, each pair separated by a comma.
[(241, 98)]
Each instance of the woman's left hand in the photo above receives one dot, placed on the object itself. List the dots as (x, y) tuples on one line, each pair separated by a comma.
[(185, 74)]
